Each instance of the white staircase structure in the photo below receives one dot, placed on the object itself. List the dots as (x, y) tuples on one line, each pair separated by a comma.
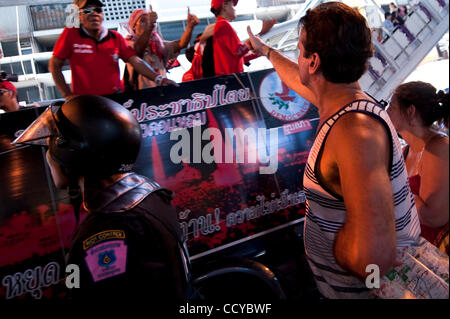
[(397, 56)]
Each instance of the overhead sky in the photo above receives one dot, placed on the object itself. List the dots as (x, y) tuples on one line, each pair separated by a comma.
[(199, 7), (164, 4), (158, 3)]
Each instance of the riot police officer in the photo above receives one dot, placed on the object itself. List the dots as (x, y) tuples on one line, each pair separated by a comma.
[(129, 245)]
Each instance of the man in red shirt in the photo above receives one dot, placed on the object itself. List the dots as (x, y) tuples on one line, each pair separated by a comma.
[(93, 53), (230, 53)]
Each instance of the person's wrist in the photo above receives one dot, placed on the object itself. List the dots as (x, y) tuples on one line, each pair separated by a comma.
[(268, 52), (158, 79)]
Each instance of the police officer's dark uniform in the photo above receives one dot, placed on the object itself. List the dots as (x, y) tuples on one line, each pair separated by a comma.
[(129, 246)]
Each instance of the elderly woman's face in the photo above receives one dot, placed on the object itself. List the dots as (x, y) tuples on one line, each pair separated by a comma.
[(145, 22), (142, 24)]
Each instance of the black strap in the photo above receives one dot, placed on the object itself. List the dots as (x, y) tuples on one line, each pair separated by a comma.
[(383, 103), (74, 191), (75, 200), (131, 80), (208, 66)]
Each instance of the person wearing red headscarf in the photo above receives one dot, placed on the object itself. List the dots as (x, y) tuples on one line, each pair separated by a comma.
[(8, 97), (8, 93), (151, 47), (230, 54)]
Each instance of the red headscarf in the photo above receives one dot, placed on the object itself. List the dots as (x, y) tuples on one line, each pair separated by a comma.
[(6, 85), (155, 43)]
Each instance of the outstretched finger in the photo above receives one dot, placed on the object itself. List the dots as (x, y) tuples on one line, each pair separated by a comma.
[(250, 33), (248, 44), (189, 11), (151, 8)]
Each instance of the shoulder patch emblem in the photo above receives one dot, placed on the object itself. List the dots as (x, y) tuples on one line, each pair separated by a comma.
[(106, 260)]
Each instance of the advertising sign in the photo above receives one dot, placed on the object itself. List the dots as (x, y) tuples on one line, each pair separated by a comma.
[(233, 150)]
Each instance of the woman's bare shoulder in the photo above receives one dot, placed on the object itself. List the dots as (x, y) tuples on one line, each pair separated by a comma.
[(438, 146)]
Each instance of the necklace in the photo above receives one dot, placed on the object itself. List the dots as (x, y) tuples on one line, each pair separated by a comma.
[(415, 168)]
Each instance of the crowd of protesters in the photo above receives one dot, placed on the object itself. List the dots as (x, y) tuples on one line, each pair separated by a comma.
[(93, 51)]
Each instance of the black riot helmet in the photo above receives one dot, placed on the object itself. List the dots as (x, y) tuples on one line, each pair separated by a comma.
[(88, 136)]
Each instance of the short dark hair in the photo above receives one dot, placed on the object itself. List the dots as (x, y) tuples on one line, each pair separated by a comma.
[(387, 14), (341, 38), (431, 105), (216, 12)]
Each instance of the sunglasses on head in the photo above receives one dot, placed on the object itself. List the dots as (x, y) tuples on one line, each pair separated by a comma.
[(90, 10), (2, 91)]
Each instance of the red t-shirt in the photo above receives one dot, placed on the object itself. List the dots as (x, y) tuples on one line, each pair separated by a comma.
[(229, 51), (94, 64), (195, 72)]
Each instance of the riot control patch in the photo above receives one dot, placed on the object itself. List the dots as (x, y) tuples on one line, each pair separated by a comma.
[(106, 254), (102, 236)]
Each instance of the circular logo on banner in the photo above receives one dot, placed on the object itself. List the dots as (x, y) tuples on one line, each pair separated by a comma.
[(280, 101)]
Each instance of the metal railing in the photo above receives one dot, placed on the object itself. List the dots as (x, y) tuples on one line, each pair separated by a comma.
[(402, 51)]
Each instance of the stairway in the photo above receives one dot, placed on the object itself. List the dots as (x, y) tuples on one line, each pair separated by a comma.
[(396, 57), (406, 47)]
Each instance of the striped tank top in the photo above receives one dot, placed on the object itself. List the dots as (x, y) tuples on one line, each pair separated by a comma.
[(326, 214)]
